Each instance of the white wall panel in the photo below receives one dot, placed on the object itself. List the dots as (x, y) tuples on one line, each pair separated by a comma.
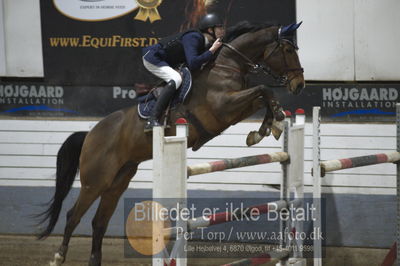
[(326, 39), (28, 151), (377, 38), (23, 39), (2, 42)]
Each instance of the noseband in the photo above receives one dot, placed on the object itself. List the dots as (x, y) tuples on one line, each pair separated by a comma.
[(254, 67), (284, 77)]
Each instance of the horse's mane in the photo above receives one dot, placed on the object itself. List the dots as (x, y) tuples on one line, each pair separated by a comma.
[(242, 28)]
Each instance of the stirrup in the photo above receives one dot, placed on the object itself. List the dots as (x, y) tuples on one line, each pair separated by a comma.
[(148, 127)]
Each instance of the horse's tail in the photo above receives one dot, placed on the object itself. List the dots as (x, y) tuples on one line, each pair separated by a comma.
[(67, 167)]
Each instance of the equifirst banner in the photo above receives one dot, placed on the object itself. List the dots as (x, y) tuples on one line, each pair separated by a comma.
[(99, 42)]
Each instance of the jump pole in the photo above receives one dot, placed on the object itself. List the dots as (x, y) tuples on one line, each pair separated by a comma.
[(216, 166), (340, 164)]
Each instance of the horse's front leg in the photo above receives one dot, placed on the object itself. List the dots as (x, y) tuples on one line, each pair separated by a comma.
[(272, 120), (273, 105), (265, 129)]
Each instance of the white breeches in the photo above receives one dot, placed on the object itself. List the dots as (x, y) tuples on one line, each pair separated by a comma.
[(164, 72)]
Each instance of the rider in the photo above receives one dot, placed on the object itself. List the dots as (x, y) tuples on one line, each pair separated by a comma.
[(192, 47)]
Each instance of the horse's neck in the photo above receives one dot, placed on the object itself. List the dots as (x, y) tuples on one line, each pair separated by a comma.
[(252, 45)]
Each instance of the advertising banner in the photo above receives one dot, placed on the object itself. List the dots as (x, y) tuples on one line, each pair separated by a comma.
[(346, 102), (99, 42), (340, 103)]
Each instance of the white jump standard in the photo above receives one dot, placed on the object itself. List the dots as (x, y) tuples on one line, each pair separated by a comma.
[(320, 168), (170, 181)]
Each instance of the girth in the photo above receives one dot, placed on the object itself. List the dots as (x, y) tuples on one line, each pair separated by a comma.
[(204, 134)]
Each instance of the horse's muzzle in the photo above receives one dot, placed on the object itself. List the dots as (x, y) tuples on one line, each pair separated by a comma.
[(299, 88), (296, 86)]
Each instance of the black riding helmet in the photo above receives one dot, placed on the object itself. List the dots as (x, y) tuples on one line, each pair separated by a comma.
[(210, 21)]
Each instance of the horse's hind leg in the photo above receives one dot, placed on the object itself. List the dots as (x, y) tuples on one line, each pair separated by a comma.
[(108, 203), (74, 215)]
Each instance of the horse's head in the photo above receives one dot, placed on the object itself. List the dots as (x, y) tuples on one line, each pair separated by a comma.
[(282, 59)]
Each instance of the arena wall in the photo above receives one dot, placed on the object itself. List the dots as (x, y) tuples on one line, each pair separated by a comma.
[(349, 40), (29, 147), (21, 39), (27, 165)]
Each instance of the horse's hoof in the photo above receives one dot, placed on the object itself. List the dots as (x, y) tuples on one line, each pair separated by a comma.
[(253, 138), (276, 132), (279, 116), (277, 129), (94, 261), (58, 260)]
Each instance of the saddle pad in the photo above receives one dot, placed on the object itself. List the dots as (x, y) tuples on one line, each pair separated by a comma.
[(147, 102)]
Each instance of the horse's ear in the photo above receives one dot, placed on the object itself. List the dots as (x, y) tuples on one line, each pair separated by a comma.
[(290, 29)]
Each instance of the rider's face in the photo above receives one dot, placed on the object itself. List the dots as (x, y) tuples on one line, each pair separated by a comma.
[(219, 32)]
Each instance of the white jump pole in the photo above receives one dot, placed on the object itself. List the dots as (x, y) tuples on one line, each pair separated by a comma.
[(317, 185), (398, 182)]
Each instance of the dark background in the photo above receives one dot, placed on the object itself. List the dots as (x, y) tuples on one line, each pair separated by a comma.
[(123, 66)]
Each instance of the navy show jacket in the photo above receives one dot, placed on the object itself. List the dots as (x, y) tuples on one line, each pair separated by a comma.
[(195, 49)]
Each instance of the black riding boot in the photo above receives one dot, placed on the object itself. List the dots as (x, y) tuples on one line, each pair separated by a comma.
[(162, 103)]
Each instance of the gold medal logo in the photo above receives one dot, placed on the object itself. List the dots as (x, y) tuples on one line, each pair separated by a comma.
[(148, 10)]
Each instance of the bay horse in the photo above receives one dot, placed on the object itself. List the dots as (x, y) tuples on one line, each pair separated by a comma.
[(108, 156)]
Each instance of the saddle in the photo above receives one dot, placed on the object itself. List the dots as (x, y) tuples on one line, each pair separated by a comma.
[(148, 99)]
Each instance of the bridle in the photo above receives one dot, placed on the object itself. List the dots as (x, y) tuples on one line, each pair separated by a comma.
[(254, 67)]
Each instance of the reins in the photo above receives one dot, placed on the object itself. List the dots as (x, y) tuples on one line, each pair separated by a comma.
[(282, 79), (243, 56)]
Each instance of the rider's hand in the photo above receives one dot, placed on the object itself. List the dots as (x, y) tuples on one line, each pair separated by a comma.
[(216, 45)]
